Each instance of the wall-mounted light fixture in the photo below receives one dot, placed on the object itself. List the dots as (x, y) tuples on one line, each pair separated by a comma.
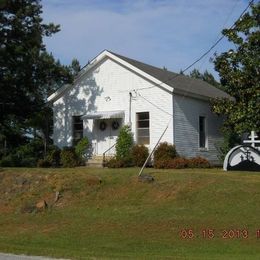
[(107, 98)]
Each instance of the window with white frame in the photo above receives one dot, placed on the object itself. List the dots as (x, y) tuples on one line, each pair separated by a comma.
[(77, 129), (143, 128), (202, 132)]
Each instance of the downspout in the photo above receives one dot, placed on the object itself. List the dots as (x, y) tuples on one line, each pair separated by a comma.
[(130, 109)]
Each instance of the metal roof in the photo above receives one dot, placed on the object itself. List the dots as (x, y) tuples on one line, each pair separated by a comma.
[(104, 114)]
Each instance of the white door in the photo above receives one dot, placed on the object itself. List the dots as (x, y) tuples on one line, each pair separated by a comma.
[(105, 133)]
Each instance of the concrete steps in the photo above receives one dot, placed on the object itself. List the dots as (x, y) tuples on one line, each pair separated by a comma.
[(95, 162)]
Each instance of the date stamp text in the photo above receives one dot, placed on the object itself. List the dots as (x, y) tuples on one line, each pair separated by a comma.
[(210, 233)]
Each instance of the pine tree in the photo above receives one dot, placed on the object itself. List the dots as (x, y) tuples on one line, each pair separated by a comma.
[(28, 73)]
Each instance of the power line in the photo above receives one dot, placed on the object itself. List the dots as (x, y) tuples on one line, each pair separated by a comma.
[(220, 39), (213, 46), (224, 25), (204, 54), (200, 58), (155, 105)]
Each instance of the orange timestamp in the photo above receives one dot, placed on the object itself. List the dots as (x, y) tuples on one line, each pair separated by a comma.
[(210, 233)]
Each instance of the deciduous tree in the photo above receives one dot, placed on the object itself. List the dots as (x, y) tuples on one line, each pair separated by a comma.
[(239, 70)]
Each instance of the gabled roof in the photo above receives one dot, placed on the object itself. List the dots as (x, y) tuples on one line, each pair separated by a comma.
[(178, 82), (168, 80)]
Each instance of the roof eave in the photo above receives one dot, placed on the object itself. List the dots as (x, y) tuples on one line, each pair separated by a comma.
[(95, 61), (197, 96), (56, 95), (156, 82)]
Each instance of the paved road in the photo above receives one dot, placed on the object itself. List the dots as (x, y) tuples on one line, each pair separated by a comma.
[(24, 257)]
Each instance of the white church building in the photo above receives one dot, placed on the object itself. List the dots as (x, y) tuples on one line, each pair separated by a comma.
[(113, 90)]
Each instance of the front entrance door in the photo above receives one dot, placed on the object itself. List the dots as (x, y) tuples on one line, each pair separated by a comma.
[(105, 134)]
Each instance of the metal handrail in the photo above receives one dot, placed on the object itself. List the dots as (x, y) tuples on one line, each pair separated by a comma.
[(104, 153)]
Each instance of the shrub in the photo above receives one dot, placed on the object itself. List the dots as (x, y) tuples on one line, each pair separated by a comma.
[(119, 163), (81, 147), (34, 149), (28, 162), (229, 141), (164, 152), (43, 163), (178, 163), (199, 162), (69, 157), (181, 163), (124, 143), (53, 156), (115, 163), (139, 154), (25, 155), (161, 164), (10, 160)]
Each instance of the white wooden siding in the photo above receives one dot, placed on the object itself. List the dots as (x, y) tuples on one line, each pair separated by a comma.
[(186, 118), (110, 79)]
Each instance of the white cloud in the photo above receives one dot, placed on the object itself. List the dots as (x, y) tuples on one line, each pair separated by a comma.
[(160, 32)]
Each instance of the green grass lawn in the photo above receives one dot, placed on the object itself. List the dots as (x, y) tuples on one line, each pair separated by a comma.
[(124, 218)]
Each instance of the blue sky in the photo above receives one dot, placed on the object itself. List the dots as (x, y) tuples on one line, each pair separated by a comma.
[(170, 33)]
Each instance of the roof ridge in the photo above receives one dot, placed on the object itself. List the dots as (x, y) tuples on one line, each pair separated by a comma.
[(166, 71), (162, 69), (179, 82), (176, 80)]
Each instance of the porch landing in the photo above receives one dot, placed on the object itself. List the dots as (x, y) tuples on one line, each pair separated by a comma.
[(96, 161)]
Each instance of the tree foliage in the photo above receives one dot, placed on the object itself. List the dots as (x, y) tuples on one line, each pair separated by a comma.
[(28, 72), (23, 57), (239, 70), (124, 143), (75, 67), (206, 76)]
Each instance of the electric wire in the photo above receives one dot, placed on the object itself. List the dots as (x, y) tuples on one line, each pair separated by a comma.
[(204, 54), (219, 34), (213, 46), (154, 105)]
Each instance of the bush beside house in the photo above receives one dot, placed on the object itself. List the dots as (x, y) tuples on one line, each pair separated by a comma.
[(69, 157), (127, 155), (124, 144), (139, 154), (137, 157), (165, 155), (81, 148), (164, 152)]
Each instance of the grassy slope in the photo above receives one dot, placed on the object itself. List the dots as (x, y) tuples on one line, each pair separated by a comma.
[(122, 217)]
